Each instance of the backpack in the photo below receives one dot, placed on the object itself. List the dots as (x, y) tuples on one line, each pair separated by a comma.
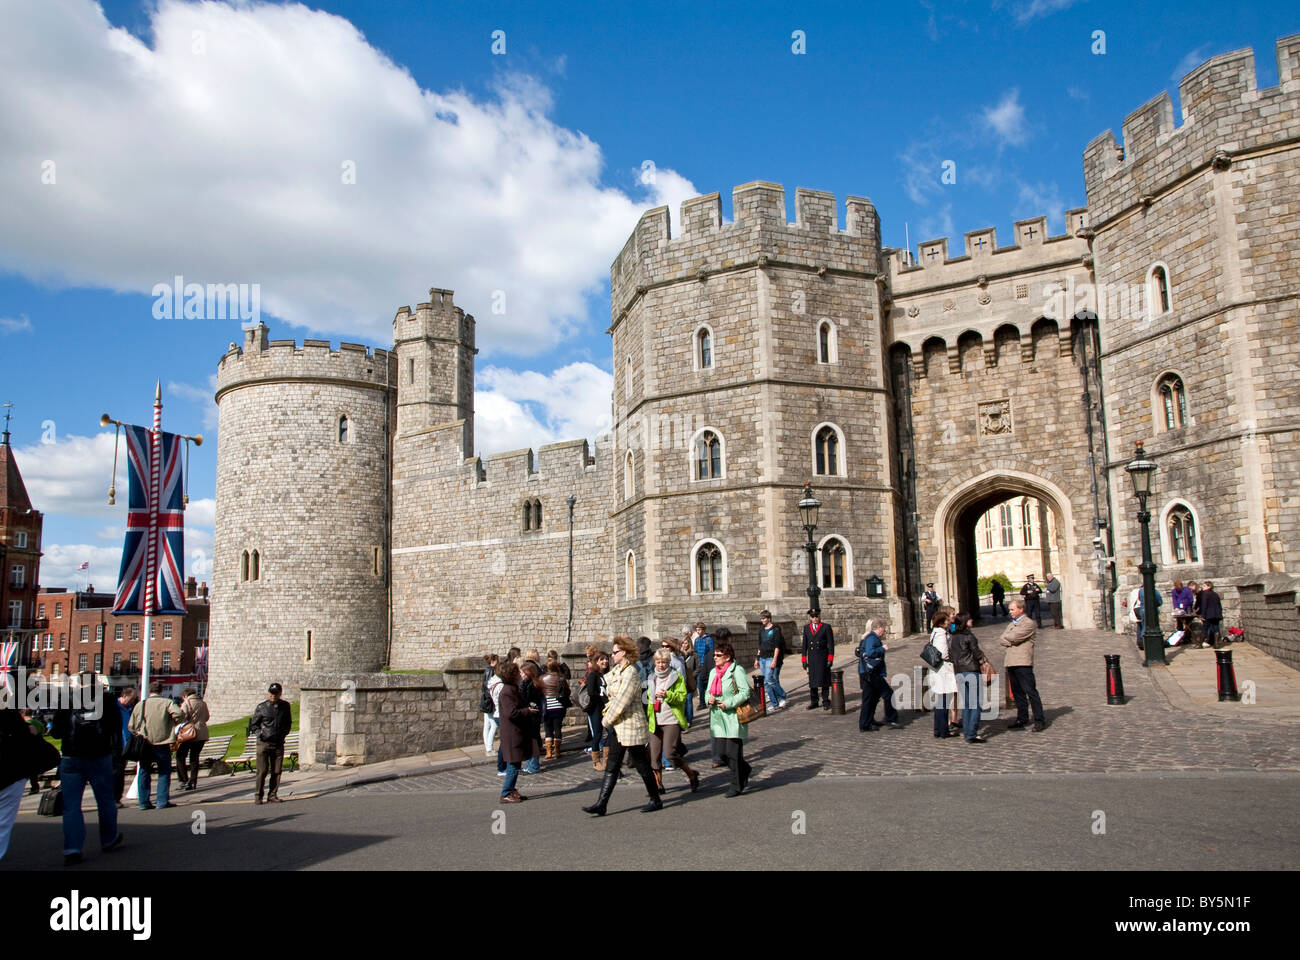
[(584, 698), (691, 675), (485, 704)]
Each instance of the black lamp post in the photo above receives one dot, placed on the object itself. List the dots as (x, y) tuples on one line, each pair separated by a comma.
[(568, 630), (808, 508), (1142, 470)]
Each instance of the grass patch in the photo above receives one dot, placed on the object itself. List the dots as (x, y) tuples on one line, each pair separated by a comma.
[(238, 731)]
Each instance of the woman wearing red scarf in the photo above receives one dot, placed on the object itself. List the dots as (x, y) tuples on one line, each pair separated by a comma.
[(729, 688)]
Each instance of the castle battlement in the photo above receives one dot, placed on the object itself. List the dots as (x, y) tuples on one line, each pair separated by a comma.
[(566, 459), (1224, 116), (262, 359), (981, 257), (759, 235), (437, 319)]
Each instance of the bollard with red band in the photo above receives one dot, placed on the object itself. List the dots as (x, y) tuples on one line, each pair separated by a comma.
[(837, 691), (1006, 682), (1227, 676), (1114, 680)]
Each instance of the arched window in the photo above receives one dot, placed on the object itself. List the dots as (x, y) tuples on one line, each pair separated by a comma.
[(1184, 547), (537, 514), (1158, 298), (256, 573), (834, 562), (710, 568), (704, 348), (343, 429), (827, 349), (629, 479), (629, 576), (627, 375), (827, 458), (708, 456), (243, 567), (1027, 518), (1172, 399), (528, 515)]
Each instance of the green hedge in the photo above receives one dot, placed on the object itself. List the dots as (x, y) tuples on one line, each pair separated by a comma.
[(985, 584)]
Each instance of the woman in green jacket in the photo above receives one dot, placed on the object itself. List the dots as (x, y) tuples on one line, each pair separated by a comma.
[(728, 689), (665, 711)]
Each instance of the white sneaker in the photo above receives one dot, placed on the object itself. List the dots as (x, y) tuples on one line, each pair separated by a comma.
[(501, 773), (781, 705)]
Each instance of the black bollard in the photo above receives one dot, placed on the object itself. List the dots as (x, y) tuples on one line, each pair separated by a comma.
[(1114, 680), (1010, 691), (837, 692), (760, 692), (1227, 676)]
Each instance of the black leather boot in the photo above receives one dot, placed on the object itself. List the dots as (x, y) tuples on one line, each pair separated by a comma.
[(606, 790), (652, 788)]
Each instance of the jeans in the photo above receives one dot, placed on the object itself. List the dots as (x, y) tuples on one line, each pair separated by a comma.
[(690, 710), (771, 681), (490, 726), (968, 691), (161, 755), (874, 688), (1025, 690), (189, 750), (598, 730), (531, 765), (512, 776), (74, 774), (941, 704), (10, 797)]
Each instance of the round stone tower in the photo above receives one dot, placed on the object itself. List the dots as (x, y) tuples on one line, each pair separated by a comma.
[(300, 553)]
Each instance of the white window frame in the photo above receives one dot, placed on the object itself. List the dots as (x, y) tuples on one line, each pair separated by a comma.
[(692, 461), (848, 563), (695, 569), (697, 362), (1166, 544), (1153, 293), (832, 341), (21, 541), (18, 576), (83, 634), (1158, 421), (840, 464)]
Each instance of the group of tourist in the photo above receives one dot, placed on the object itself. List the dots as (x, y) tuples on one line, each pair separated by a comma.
[(1193, 604), (638, 702)]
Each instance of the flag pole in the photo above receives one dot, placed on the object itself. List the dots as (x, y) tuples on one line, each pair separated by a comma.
[(151, 557)]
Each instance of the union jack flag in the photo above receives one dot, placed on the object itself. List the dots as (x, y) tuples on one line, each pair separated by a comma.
[(201, 663), (8, 656), (169, 543)]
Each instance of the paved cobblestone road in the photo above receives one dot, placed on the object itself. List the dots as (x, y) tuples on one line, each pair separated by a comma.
[(1084, 734)]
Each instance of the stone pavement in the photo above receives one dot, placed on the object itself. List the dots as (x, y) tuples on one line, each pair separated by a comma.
[(1171, 722)]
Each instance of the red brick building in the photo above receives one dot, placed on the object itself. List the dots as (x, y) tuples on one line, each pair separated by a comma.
[(77, 631), (20, 556)]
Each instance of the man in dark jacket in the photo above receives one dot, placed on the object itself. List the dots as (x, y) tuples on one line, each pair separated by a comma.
[(90, 738), (1031, 591), (818, 658), (999, 593), (1211, 614), (871, 675), (270, 724)]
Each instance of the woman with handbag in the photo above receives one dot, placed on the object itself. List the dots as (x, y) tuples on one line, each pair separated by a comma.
[(555, 690), (23, 756), (518, 743), (727, 698), (943, 681), (594, 686), (191, 736), (625, 728), (666, 717)]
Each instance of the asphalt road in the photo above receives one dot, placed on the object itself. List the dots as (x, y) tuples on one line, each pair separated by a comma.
[(1152, 821)]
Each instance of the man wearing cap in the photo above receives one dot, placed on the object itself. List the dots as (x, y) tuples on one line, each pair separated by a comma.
[(818, 658), (1031, 591), (270, 724), (932, 602)]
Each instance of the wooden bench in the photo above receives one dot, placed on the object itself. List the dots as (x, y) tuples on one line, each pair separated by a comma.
[(248, 759), (215, 749)]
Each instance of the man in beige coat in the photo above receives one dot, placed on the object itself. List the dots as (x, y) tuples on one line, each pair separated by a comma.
[(1018, 638), (155, 719)]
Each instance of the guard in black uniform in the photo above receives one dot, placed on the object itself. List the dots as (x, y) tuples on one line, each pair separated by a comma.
[(818, 658), (932, 602), (1031, 591)]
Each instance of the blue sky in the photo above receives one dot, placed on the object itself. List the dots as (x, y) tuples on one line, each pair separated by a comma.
[(140, 141)]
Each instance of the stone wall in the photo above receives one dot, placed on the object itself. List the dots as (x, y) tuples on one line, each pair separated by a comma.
[(1269, 613)]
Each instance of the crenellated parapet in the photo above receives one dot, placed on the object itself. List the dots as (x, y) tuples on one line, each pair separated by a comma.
[(1224, 116), (263, 360), (759, 235), (987, 294), (438, 320)]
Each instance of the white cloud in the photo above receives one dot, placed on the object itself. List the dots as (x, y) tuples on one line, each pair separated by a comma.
[(203, 396), (1026, 11), (22, 325), (1191, 60), (1007, 119), (530, 409), (1037, 199), (939, 225), (59, 562), (228, 166)]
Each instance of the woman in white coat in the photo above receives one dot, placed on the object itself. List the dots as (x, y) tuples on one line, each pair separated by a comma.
[(943, 682)]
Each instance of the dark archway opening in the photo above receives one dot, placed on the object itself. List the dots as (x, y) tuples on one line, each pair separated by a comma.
[(1032, 550)]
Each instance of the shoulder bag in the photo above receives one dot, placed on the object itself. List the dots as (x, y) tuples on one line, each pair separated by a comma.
[(746, 712), (931, 655)]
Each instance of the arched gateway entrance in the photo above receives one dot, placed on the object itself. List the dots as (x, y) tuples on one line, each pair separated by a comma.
[(954, 537)]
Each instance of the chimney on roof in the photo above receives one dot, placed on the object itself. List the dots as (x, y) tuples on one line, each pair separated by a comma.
[(190, 585), (203, 590)]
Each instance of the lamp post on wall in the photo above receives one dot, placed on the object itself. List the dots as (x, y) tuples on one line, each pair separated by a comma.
[(1142, 471), (568, 631), (808, 508)]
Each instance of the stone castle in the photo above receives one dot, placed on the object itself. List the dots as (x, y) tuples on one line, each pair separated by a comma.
[(355, 528)]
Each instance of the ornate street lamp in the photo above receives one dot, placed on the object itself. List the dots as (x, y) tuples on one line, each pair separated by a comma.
[(808, 508), (1142, 471)]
